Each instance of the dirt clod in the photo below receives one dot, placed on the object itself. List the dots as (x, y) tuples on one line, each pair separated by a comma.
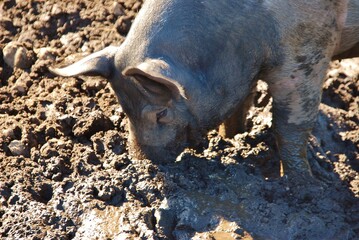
[(17, 148), (16, 55)]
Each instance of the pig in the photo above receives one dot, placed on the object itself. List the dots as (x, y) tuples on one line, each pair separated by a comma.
[(187, 66)]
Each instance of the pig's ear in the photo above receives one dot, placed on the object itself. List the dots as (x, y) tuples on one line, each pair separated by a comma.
[(158, 72), (99, 63)]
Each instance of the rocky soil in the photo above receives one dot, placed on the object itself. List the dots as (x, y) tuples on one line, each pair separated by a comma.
[(65, 171)]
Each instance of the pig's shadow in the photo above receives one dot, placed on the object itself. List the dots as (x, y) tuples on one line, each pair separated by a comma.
[(209, 198)]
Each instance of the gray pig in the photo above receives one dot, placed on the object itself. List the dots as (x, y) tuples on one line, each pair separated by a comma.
[(186, 66)]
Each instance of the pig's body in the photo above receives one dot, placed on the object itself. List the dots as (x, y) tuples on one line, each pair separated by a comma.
[(186, 66)]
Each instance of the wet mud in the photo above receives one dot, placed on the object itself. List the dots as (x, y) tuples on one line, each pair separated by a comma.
[(65, 170)]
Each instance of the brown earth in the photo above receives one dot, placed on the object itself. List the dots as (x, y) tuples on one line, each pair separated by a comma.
[(66, 172)]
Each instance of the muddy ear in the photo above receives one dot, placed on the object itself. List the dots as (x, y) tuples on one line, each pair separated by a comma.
[(160, 72), (99, 63)]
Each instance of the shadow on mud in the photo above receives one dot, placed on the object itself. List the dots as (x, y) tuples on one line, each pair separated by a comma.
[(213, 198)]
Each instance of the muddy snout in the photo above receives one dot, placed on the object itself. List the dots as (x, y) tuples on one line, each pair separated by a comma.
[(157, 154)]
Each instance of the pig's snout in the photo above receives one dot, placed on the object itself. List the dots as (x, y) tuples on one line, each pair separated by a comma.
[(159, 154)]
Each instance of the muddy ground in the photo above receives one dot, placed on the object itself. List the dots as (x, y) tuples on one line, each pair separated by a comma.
[(65, 172)]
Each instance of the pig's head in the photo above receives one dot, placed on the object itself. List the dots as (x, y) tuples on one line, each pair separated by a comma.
[(160, 121)]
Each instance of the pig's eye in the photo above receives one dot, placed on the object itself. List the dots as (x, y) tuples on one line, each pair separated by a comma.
[(161, 115)]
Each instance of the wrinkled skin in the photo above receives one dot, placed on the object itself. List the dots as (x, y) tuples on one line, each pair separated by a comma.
[(184, 69)]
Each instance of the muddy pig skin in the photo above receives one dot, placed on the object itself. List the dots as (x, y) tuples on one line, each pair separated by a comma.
[(187, 66)]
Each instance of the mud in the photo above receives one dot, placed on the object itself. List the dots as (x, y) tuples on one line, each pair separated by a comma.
[(66, 172)]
